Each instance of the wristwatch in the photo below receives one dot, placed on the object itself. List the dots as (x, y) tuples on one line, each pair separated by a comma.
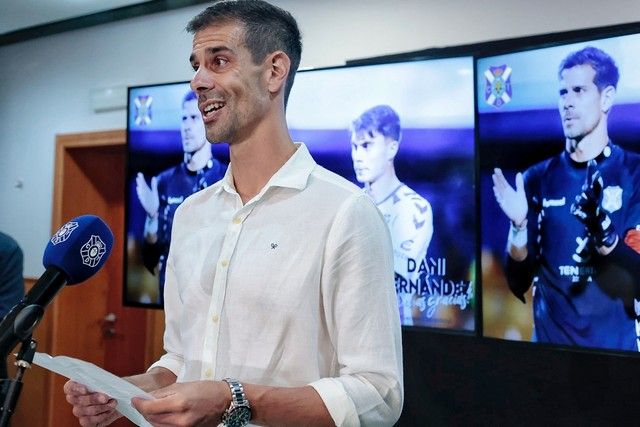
[(239, 412)]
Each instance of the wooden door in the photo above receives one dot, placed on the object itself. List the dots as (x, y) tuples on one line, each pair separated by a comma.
[(90, 179)]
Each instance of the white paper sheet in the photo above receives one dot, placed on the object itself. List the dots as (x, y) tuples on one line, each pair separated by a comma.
[(97, 379)]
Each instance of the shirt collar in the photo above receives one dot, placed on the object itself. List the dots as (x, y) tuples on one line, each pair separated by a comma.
[(293, 174)]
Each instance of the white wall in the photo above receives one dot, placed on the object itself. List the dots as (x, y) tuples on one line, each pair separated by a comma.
[(45, 83)]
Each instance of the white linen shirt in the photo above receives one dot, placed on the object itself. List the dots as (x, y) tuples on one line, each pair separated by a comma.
[(293, 288)]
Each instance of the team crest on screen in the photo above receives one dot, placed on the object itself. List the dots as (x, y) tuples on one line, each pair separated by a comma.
[(64, 232), (612, 198), (497, 89), (92, 251), (143, 109)]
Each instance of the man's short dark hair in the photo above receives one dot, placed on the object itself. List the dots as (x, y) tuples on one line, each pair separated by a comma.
[(607, 73), (189, 96), (267, 28), (380, 118)]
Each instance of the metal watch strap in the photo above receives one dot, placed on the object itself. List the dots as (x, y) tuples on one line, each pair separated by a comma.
[(237, 392), (238, 399)]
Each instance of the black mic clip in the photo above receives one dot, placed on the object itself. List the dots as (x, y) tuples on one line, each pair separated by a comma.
[(10, 388), (25, 319)]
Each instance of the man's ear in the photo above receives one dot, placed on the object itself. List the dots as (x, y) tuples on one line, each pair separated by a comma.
[(278, 70), (606, 98), (392, 148)]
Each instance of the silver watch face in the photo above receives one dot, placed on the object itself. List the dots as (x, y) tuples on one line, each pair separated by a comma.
[(237, 417)]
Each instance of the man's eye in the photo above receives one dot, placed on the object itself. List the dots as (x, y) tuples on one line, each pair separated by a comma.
[(220, 62)]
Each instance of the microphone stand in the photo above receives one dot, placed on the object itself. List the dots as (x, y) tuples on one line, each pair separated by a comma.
[(10, 388)]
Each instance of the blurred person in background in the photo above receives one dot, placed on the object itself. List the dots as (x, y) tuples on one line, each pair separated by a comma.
[(11, 273)]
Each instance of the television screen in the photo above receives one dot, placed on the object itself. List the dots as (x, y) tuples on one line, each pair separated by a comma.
[(558, 129), (168, 158), (405, 133)]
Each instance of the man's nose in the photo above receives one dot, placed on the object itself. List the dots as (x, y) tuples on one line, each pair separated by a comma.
[(202, 81)]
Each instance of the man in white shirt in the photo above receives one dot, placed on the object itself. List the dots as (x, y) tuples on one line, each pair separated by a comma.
[(278, 297)]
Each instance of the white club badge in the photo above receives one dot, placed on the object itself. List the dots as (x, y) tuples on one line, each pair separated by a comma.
[(64, 232), (612, 198), (92, 251)]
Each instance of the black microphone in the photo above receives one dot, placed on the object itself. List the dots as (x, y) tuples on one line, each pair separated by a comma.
[(74, 253)]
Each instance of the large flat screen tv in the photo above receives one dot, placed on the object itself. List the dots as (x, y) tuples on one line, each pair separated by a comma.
[(559, 232), (404, 132)]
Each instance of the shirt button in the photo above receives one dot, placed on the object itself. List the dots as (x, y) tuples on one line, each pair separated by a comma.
[(215, 318), (224, 263), (237, 221), (208, 373)]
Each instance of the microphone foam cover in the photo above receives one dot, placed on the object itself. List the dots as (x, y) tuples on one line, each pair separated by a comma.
[(79, 248)]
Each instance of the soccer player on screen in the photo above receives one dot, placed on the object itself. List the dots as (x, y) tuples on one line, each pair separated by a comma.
[(375, 139), (169, 189), (575, 219)]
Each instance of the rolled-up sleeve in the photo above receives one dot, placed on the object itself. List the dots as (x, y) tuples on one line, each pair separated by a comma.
[(360, 308), (173, 358)]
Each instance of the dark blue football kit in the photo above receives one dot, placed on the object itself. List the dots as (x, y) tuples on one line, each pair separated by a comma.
[(174, 186), (581, 297)]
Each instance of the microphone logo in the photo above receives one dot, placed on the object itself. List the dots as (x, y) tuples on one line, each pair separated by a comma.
[(92, 251), (64, 232)]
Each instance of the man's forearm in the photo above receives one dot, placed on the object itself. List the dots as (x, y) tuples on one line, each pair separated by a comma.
[(517, 241), (519, 274), (151, 229), (625, 257), (287, 406), (154, 379), (518, 253)]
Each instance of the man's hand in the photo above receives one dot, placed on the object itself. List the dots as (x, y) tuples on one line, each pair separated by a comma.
[(587, 208), (92, 409), (148, 196), (198, 403), (513, 202)]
